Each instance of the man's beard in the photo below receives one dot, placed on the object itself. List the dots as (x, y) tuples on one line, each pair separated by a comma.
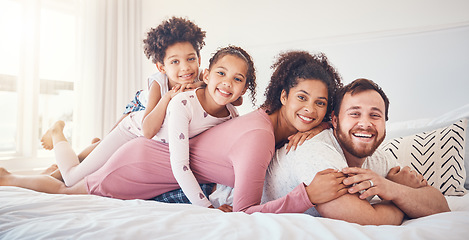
[(345, 141)]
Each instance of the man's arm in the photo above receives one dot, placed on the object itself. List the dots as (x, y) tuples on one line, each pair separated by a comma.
[(430, 199), (352, 209), (413, 201)]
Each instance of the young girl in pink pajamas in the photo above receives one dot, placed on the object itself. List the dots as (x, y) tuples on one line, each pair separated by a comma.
[(230, 74)]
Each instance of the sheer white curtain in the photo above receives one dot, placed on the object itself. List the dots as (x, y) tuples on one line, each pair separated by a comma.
[(109, 71)]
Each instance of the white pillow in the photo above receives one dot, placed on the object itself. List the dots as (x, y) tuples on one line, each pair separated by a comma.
[(405, 128), (437, 154)]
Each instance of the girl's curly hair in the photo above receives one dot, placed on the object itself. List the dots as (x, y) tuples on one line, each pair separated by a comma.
[(169, 32), (293, 66), (242, 54)]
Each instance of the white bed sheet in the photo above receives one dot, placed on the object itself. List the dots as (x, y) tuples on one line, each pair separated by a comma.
[(26, 214)]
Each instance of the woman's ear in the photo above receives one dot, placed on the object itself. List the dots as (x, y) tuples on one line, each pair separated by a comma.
[(205, 76), (160, 67), (283, 97)]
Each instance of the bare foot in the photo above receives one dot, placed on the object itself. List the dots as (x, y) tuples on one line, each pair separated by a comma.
[(46, 139), (95, 140), (3, 172), (3, 176), (50, 169)]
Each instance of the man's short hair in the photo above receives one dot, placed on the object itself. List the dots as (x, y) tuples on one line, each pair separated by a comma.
[(358, 86)]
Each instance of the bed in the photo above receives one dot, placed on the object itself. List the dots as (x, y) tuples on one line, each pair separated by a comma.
[(26, 214)]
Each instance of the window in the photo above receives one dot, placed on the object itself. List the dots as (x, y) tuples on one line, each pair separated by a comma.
[(37, 74)]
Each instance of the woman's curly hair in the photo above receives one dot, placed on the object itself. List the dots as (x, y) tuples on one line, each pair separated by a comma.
[(242, 54), (293, 66), (169, 32)]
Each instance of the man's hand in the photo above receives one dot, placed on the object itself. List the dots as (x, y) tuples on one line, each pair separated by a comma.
[(326, 186), (369, 183), (407, 177), (414, 202)]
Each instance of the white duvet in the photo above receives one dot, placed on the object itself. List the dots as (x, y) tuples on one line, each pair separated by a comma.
[(26, 214)]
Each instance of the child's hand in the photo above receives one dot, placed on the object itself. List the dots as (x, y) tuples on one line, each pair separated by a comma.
[(326, 186), (194, 85), (173, 92), (226, 208)]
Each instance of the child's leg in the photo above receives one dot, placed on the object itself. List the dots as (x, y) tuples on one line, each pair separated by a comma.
[(40, 183), (83, 154), (53, 135), (54, 172), (57, 175), (72, 171), (50, 169)]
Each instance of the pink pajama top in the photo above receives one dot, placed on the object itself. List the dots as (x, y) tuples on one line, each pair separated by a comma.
[(235, 153)]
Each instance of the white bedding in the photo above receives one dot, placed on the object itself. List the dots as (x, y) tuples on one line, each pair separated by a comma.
[(26, 214)]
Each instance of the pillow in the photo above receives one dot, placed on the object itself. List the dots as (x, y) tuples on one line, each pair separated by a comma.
[(438, 155), (409, 127)]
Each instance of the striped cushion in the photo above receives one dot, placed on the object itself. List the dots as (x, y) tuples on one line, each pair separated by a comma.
[(438, 155)]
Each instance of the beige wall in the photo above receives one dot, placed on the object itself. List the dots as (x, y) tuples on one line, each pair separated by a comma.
[(418, 42)]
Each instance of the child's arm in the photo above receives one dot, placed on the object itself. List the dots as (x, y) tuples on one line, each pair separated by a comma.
[(155, 111), (179, 117)]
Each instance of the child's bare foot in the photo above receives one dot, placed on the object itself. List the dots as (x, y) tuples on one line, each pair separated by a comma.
[(95, 140), (46, 139), (50, 169)]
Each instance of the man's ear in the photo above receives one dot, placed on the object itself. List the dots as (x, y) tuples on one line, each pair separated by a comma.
[(334, 119), (205, 76), (283, 97), (160, 67)]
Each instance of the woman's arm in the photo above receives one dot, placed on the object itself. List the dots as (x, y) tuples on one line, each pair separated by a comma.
[(309, 164), (251, 158)]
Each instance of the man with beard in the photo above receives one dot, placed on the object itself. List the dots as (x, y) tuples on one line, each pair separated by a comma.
[(359, 118)]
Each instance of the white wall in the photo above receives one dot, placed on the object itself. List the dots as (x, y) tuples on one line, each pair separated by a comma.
[(416, 50)]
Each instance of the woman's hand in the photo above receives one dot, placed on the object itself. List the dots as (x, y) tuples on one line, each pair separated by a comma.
[(300, 137), (326, 186), (368, 183)]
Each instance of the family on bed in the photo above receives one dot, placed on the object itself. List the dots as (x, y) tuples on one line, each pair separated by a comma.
[(312, 146)]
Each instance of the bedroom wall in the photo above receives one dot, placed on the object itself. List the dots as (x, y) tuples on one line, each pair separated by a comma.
[(416, 50)]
